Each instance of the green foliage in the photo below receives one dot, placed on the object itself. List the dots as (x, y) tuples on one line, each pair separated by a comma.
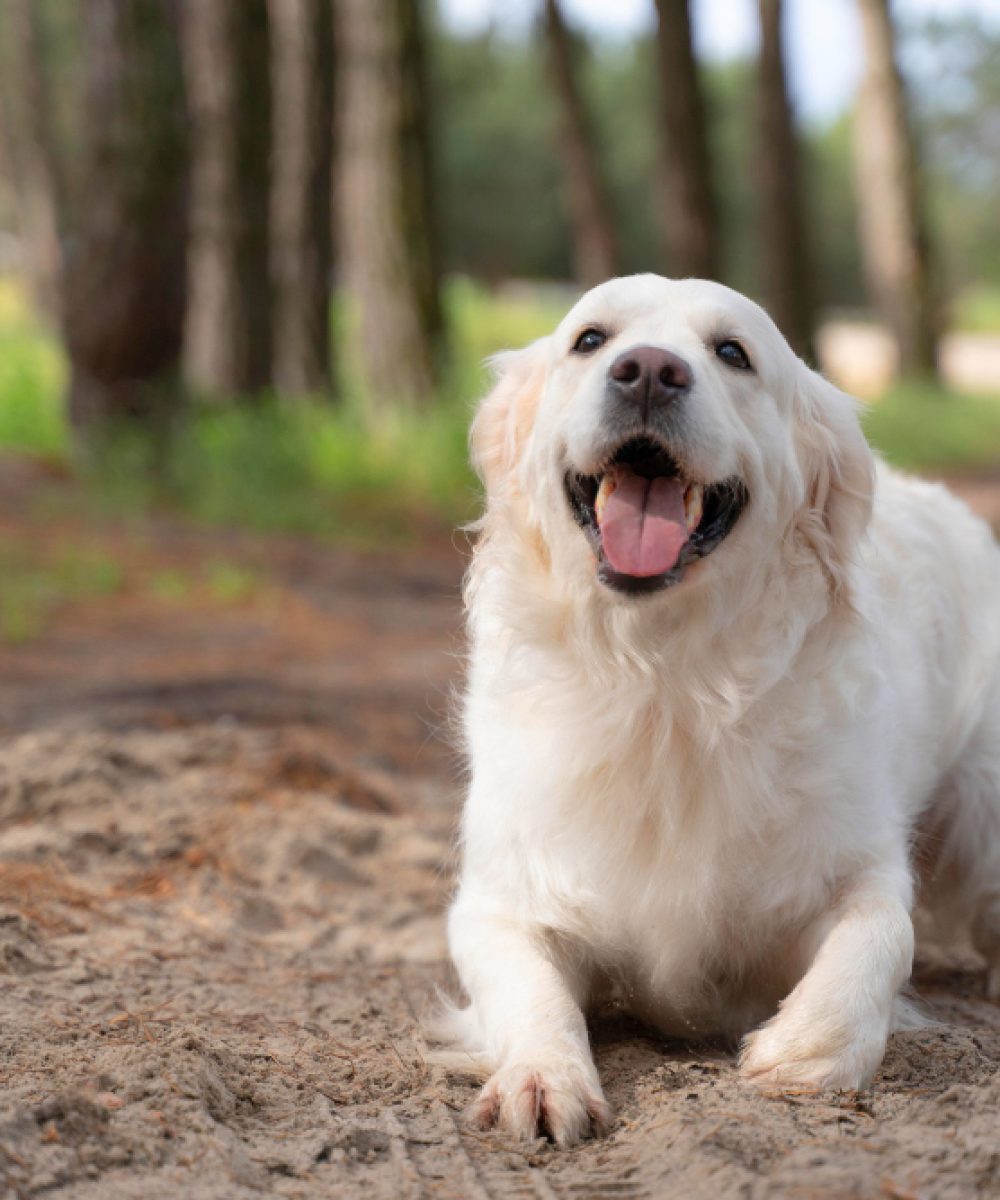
[(320, 470), (32, 381), (499, 170), (832, 217), (500, 200), (500, 204), (977, 309), (729, 89), (921, 428), (485, 322), (952, 62), (331, 470), (328, 470), (620, 84), (276, 466)]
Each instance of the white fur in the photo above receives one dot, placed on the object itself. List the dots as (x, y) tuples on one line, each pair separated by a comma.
[(706, 802)]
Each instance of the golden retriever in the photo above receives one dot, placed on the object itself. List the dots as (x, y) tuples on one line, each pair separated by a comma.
[(730, 678)]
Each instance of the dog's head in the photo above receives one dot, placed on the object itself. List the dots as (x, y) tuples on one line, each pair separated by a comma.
[(664, 427)]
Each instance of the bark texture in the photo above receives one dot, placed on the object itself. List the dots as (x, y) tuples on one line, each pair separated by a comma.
[(124, 270), (687, 205), (894, 235), (596, 254), (25, 103), (784, 253), (228, 337), (301, 216), (388, 247)]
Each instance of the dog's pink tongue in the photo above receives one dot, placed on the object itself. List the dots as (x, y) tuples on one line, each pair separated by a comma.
[(642, 526)]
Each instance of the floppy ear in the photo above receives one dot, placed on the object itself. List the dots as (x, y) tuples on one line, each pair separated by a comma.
[(838, 470), (505, 415)]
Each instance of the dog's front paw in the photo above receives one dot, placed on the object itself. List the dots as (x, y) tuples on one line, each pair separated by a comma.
[(815, 1055), (562, 1099)]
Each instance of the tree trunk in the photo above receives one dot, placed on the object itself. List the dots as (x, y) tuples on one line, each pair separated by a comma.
[(595, 243), (387, 239), (27, 119), (690, 221), (228, 338), (124, 272), (787, 277), (894, 238), (301, 213)]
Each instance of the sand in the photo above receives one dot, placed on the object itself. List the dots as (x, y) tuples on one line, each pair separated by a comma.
[(221, 922)]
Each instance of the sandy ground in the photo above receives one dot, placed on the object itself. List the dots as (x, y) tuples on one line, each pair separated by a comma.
[(224, 858)]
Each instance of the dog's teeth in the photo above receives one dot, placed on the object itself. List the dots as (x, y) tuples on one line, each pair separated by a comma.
[(603, 492), (693, 505)]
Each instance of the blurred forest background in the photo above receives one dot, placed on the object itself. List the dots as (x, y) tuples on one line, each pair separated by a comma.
[(254, 252)]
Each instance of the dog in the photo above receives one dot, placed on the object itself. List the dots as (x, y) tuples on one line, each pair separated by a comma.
[(733, 695)]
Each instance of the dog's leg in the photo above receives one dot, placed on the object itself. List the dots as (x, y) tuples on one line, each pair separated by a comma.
[(831, 1031), (526, 1003)]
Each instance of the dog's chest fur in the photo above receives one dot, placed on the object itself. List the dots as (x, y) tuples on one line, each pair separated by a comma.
[(690, 861)]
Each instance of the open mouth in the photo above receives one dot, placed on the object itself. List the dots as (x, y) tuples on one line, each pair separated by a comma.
[(646, 521)]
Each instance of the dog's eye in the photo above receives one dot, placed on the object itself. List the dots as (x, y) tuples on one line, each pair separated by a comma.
[(733, 355), (589, 341)]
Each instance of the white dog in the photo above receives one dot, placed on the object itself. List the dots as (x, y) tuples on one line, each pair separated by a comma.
[(733, 686)]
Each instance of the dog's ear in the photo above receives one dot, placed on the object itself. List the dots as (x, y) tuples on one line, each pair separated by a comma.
[(838, 470), (505, 415)]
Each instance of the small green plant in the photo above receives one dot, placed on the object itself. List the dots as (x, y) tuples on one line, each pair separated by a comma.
[(36, 584), (170, 585), (229, 583)]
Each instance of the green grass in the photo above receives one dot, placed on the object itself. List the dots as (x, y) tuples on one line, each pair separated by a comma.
[(228, 583), (323, 471), (330, 470), (32, 381), (977, 310), (221, 582), (35, 584), (170, 585), (922, 428), (317, 468), (39, 579)]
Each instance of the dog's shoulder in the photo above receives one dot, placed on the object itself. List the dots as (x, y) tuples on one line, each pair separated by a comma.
[(916, 518)]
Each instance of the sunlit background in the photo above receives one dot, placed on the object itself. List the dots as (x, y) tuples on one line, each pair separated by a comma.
[(823, 40), (204, 204)]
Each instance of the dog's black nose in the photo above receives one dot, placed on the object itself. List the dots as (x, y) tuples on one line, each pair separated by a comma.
[(650, 376)]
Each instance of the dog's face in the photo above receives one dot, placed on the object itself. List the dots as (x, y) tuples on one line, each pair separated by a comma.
[(664, 423)]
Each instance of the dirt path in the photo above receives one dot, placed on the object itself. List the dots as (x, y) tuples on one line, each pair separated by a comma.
[(224, 858)]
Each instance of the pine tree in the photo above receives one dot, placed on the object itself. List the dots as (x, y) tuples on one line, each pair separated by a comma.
[(894, 236)]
